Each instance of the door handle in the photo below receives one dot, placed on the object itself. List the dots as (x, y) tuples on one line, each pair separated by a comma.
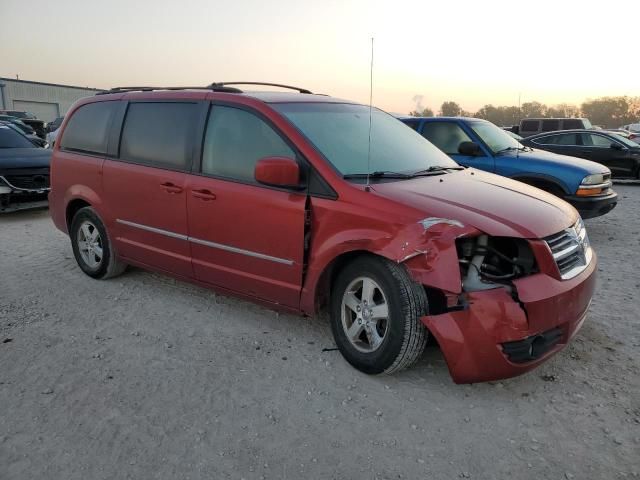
[(203, 194), (170, 187)]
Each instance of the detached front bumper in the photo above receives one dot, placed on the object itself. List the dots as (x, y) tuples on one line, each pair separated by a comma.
[(590, 207), (497, 337)]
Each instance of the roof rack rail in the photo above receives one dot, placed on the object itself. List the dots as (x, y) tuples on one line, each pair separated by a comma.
[(212, 87), (224, 84), (215, 87)]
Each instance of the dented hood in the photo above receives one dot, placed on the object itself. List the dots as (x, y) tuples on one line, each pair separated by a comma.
[(493, 204)]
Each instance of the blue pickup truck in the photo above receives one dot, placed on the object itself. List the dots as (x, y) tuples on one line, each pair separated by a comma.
[(480, 144)]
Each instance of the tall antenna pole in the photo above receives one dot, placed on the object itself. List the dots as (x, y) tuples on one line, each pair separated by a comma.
[(368, 186), (520, 119)]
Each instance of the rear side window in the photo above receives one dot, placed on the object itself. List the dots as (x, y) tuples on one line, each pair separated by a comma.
[(567, 139), (564, 139), (447, 136), (529, 125), (235, 140), (550, 125), (548, 140), (88, 128), (159, 134)]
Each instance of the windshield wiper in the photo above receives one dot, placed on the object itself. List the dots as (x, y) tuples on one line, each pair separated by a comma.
[(437, 169), (378, 174)]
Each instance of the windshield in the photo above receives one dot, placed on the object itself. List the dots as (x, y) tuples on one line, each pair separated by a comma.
[(496, 138), (12, 139), (624, 140), (341, 133)]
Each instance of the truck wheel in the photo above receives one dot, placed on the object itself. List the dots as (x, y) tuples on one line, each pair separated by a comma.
[(92, 247), (375, 316)]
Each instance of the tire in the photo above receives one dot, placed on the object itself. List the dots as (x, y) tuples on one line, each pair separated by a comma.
[(92, 247), (376, 345)]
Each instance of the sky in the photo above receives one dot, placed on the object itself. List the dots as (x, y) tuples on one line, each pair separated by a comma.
[(472, 52)]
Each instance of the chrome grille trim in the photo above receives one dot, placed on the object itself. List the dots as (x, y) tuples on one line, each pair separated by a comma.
[(23, 189), (571, 250)]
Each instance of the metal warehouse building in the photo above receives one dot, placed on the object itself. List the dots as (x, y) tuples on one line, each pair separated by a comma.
[(46, 100)]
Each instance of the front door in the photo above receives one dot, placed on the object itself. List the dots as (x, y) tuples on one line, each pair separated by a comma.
[(244, 236)]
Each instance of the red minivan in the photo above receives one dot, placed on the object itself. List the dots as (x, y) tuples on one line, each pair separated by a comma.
[(303, 201)]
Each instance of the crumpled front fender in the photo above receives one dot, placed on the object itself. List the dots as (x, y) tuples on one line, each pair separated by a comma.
[(428, 250)]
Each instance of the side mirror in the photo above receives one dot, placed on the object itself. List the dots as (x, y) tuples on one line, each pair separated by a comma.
[(616, 146), (278, 172), (470, 149)]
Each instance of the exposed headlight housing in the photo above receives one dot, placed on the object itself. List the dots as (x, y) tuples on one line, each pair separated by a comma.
[(594, 179)]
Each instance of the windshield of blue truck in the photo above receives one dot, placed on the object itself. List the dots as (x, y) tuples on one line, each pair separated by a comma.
[(341, 133), (494, 137)]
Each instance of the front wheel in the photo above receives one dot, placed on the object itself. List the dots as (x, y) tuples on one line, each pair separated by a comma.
[(92, 247), (375, 316)]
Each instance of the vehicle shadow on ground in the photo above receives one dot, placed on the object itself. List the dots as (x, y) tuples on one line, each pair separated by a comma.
[(20, 217)]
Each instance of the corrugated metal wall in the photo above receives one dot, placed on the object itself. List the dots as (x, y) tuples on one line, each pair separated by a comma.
[(51, 98)]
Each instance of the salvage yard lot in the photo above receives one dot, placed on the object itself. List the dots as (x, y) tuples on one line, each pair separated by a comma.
[(143, 376)]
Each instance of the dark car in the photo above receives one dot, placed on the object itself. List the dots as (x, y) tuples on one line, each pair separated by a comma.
[(53, 125), (28, 118), (24, 172), (622, 156)]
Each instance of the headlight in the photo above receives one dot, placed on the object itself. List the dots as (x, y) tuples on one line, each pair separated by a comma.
[(594, 179)]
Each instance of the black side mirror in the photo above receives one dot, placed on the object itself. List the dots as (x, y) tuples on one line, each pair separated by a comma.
[(616, 146), (470, 149)]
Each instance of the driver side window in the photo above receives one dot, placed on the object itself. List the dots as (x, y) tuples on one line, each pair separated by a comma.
[(235, 140), (447, 136)]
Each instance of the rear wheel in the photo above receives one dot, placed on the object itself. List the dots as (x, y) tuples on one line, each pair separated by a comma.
[(375, 316), (92, 247)]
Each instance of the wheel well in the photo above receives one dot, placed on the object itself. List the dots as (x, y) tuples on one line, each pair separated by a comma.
[(546, 185), (331, 271), (436, 298), (72, 208)]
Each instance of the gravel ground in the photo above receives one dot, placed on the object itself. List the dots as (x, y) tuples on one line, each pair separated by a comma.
[(144, 377)]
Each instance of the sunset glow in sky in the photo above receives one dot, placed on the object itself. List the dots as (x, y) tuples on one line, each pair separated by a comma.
[(474, 52)]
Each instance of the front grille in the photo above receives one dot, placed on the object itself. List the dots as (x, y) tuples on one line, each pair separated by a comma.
[(571, 250), (28, 182)]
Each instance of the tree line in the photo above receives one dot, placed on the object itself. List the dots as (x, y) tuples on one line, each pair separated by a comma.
[(609, 112)]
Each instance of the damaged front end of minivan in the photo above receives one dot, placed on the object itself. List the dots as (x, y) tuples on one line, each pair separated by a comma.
[(499, 306)]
